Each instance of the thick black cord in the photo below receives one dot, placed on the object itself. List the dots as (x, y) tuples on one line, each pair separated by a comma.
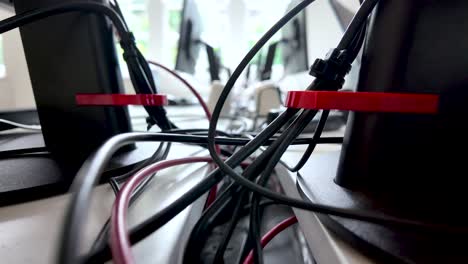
[(255, 169), (141, 75), (41, 13), (241, 67), (244, 63), (221, 102), (87, 177), (88, 182), (142, 79), (236, 215), (160, 154), (289, 135), (365, 216), (356, 24), (15, 153), (117, 8), (353, 51), (166, 214), (224, 199), (315, 138)]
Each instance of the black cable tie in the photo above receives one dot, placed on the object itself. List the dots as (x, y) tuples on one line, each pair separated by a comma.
[(333, 68), (128, 44), (150, 122)]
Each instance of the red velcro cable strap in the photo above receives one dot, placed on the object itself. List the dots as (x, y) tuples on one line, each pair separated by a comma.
[(120, 99), (364, 102)]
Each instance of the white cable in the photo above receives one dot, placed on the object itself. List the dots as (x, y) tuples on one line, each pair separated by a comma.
[(18, 125)]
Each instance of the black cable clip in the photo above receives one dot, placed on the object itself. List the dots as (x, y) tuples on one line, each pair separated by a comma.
[(128, 44), (150, 122), (333, 68)]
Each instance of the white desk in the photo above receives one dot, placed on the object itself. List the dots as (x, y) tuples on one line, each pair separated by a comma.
[(324, 245), (29, 232)]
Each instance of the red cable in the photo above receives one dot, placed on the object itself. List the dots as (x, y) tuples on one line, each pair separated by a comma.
[(189, 86), (119, 239), (272, 234), (120, 242), (213, 192)]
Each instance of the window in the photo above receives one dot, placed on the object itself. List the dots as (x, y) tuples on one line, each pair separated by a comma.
[(259, 16)]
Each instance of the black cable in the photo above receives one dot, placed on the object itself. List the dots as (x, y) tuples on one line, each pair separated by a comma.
[(199, 130), (254, 231), (160, 154), (218, 208), (252, 171), (273, 154), (311, 147), (142, 79), (356, 24), (41, 13), (239, 142), (201, 187), (359, 215), (319, 208), (266, 203), (141, 75), (354, 49), (219, 256), (245, 62), (117, 8), (242, 66), (221, 102), (87, 176), (237, 73), (15, 153), (353, 52), (91, 168)]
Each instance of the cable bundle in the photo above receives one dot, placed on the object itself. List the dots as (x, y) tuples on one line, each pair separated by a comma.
[(245, 191)]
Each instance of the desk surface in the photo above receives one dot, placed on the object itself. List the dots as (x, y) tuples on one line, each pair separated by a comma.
[(29, 231), (324, 245)]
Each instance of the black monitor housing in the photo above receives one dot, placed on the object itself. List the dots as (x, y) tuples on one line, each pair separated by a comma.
[(69, 54), (294, 44), (293, 47), (190, 43)]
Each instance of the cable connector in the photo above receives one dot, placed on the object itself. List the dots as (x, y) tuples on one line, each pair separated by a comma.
[(333, 68)]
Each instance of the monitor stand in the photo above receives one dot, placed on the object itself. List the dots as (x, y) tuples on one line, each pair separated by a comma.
[(35, 176), (68, 54), (404, 165), (316, 183)]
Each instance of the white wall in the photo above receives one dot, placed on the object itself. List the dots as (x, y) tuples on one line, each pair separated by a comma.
[(15, 86)]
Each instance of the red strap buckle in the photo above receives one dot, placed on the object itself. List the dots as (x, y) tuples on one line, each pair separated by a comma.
[(120, 99), (364, 102)]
